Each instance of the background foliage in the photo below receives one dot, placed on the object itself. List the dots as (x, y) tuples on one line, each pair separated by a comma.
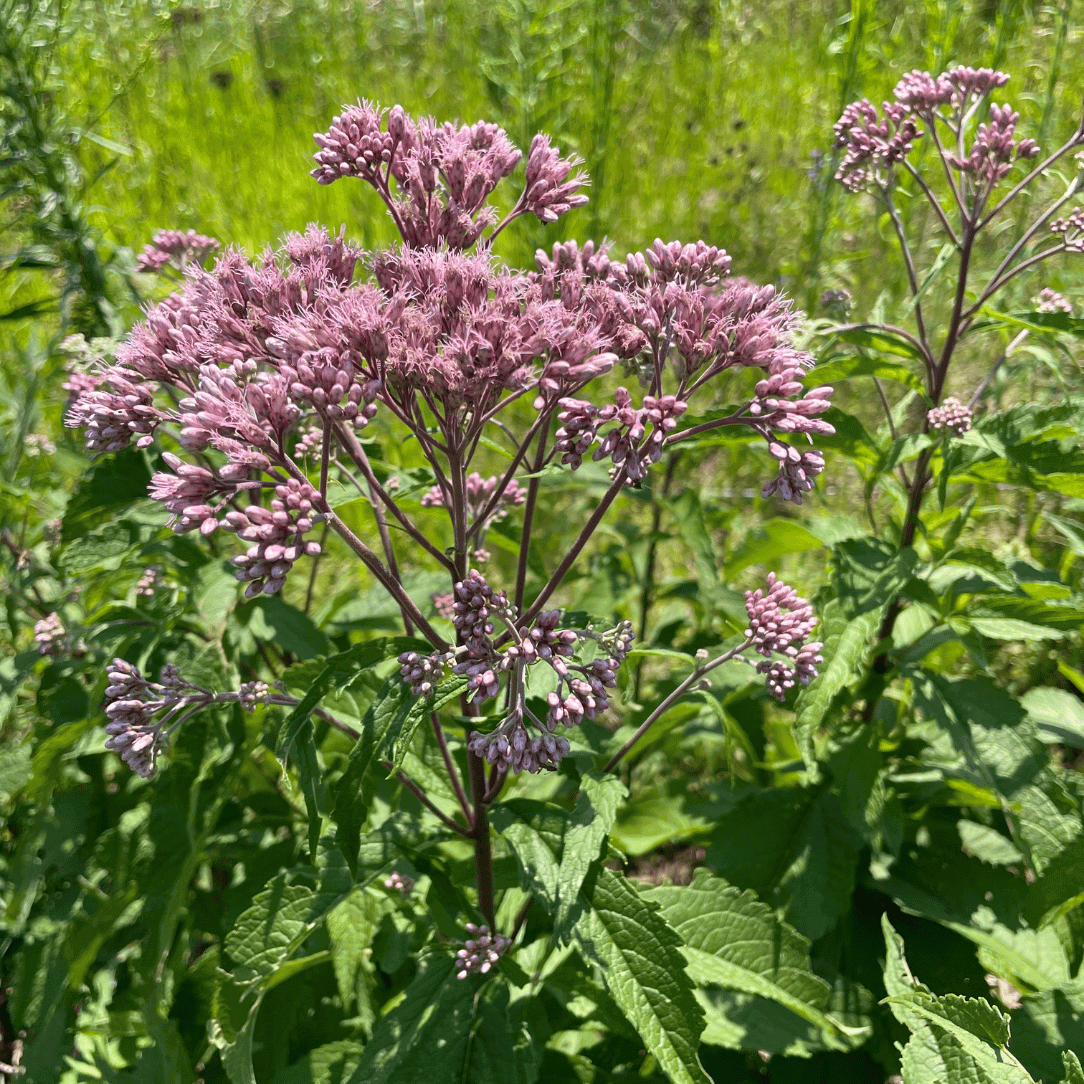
[(909, 828)]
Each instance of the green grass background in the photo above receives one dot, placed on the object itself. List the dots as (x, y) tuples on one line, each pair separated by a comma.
[(696, 119)]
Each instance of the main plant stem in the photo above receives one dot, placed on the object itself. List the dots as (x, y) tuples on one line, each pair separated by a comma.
[(483, 852)]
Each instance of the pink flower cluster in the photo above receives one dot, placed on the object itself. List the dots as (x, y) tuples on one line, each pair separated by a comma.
[(49, 635), (480, 493), (1071, 227), (625, 443), (780, 623), (952, 416), (253, 364), (481, 951), (875, 141), (1049, 300), (178, 248), (582, 689), (131, 703), (443, 173)]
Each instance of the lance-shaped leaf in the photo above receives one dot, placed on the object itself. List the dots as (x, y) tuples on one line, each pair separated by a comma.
[(640, 957)]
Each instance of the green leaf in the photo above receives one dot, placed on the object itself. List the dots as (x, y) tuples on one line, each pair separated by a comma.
[(535, 832), (848, 641), (734, 941), (111, 484), (103, 549), (425, 1038), (868, 573), (1059, 889), (776, 538), (643, 969), (351, 927), (1046, 1024), (954, 1039), (801, 858), (584, 844), (282, 916), (689, 515), (446, 693), (851, 365), (1074, 1073), (378, 727), (1058, 715), (271, 618), (501, 1048)]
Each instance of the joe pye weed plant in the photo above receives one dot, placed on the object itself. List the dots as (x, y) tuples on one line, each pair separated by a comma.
[(399, 857)]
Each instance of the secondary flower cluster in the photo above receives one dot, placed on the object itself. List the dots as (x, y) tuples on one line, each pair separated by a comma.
[(582, 688), (780, 623), (443, 173), (481, 951), (952, 416), (874, 141), (177, 248)]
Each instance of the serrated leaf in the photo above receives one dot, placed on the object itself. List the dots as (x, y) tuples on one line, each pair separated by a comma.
[(1046, 1024), (584, 844), (642, 965), (425, 1038), (446, 693), (847, 642), (954, 1039), (535, 832), (868, 573), (1059, 889), (1074, 1073), (1057, 714), (802, 856), (501, 1048), (378, 726), (282, 916), (735, 941)]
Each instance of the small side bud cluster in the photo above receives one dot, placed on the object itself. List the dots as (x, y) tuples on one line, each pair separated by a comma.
[(479, 495), (780, 623), (625, 443), (178, 248), (399, 882), (131, 703), (475, 602), (149, 582), (512, 748), (481, 952), (1049, 300), (994, 148), (952, 416), (549, 191), (49, 635), (1071, 227), (277, 536), (252, 693), (873, 142), (423, 673)]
